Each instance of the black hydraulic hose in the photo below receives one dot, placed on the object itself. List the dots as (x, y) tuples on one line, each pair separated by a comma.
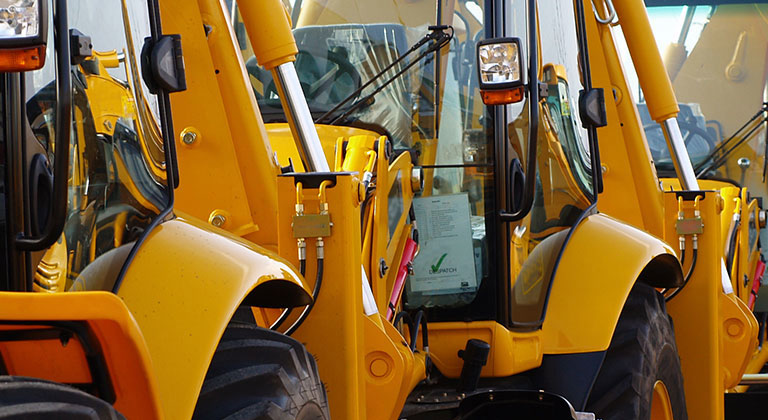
[(732, 246), (415, 231), (682, 263), (315, 294), (533, 131), (687, 276), (287, 312), (363, 209), (419, 321), (57, 213)]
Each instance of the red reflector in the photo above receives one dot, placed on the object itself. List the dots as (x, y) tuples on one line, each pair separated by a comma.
[(502, 97), (22, 59)]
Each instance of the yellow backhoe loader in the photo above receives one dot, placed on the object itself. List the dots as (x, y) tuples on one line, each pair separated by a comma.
[(133, 315), (521, 279)]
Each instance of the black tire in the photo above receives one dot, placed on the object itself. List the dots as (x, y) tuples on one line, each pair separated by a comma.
[(260, 374), (642, 351), (33, 399)]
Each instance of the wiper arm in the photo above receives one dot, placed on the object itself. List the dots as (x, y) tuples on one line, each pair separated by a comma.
[(713, 161), (438, 38)]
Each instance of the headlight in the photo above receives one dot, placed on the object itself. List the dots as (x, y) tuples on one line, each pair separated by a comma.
[(500, 71), (23, 34), (19, 19), (499, 63)]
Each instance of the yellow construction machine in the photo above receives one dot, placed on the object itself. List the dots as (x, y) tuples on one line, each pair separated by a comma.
[(468, 183), (714, 53), (133, 315), (464, 135)]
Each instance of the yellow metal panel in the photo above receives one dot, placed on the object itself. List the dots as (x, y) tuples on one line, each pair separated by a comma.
[(695, 312), (657, 88), (334, 331), (120, 339), (511, 352), (632, 191), (391, 370), (738, 336), (208, 166), (597, 270), (283, 144), (269, 29), (183, 287)]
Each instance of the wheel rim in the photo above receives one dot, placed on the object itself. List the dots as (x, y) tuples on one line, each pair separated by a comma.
[(661, 407)]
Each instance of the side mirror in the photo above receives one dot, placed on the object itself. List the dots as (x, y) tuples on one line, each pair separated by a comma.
[(23, 34), (515, 404), (500, 71)]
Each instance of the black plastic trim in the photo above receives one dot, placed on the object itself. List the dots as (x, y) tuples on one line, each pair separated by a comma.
[(569, 375), (314, 179)]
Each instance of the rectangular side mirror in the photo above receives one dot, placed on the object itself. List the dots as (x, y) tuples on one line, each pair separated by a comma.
[(23, 34)]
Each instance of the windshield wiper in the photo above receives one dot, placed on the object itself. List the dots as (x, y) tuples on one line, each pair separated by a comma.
[(438, 38), (713, 161)]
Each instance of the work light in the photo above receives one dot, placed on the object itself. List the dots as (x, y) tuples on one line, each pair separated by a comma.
[(500, 70), (23, 34)]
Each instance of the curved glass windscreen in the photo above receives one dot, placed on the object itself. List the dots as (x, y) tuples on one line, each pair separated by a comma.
[(117, 178)]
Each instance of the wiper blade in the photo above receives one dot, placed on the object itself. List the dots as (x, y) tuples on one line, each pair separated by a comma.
[(713, 161), (438, 38)]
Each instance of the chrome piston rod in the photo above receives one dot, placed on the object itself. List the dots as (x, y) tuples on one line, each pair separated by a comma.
[(299, 118), (754, 379), (680, 156)]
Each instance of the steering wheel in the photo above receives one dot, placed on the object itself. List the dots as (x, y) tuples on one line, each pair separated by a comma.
[(327, 84), (690, 132)]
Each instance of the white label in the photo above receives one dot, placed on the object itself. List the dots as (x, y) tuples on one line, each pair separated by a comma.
[(445, 263)]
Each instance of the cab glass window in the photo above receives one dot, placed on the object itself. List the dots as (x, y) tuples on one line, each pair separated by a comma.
[(563, 184), (117, 179)]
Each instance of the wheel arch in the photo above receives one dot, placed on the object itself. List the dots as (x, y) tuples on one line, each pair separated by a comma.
[(582, 313), (184, 286)]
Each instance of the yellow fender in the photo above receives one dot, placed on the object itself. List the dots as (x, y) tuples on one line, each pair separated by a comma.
[(183, 287), (582, 313)]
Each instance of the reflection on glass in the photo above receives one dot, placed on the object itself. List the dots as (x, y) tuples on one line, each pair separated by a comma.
[(563, 187), (117, 181)]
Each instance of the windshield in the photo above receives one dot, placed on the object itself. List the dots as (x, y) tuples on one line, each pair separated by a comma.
[(716, 58), (345, 44)]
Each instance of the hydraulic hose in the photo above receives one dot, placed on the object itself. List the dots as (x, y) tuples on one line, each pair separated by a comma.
[(287, 313), (420, 321), (315, 292), (687, 276)]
